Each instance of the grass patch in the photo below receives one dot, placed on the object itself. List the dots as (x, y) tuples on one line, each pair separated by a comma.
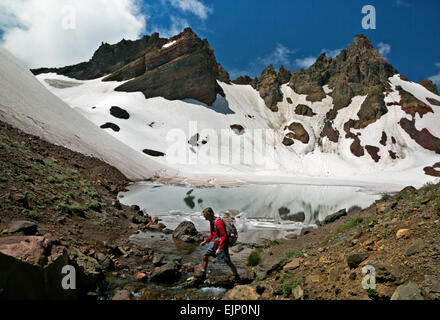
[(253, 259), (75, 208), (350, 223), (371, 223), (95, 206), (93, 194), (73, 241), (385, 197), (293, 253), (50, 179), (287, 288), (70, 195)]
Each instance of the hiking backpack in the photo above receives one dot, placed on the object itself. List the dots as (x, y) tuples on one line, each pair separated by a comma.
[(231, 231)]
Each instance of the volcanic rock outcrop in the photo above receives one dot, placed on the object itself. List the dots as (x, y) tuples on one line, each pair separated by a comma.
[(108, 58), (178, 68), (185, 67), (268, 84)]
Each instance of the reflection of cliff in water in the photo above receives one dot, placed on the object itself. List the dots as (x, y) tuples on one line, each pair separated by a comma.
[(261, 207)]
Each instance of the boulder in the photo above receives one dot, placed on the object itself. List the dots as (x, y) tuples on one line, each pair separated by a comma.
[(294, 264), (105, 261), (335, 216), (168, 273), (267, 269), (304, 110), (123, 295), (31, 268), (414, 248), (402, 234), (28, 228), (244, 292), (386, 273), (161, 259), (354, 259), (89, 271), (298, 293), (408, 291), (187, 232)]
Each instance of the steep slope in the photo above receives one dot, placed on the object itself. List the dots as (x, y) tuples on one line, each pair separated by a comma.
[(27, 105)]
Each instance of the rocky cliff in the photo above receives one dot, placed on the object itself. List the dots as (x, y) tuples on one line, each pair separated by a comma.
[(185, 67), (108, 58), (177, 68)]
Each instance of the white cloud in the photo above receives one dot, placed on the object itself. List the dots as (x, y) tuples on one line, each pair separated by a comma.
[(384, 49), (436, 78), (178, 24), (280, 56), (35, 31), (194, 6), (305, 62), (331, 53), (308, 61), (401, 3)]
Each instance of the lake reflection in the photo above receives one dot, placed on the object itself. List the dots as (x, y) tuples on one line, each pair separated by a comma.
[(266, 211)]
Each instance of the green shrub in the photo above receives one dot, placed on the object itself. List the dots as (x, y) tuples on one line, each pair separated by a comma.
[(284, 277), (50, 179), (254, 259), (77, 209), (64, 208), (287, 290), (293, 253), (385, 197), (93, 194), (350, 223), (95, 206), (70, 195)]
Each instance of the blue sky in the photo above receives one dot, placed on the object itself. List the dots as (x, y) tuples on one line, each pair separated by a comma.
[(246, 35)]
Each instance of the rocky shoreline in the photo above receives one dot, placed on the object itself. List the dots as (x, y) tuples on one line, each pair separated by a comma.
[(59, 208)]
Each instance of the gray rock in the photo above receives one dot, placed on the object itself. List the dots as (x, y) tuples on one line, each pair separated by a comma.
[(265, 270), (167, 273), (408, 291), (161, 259), (187, 232), (335, 216), (27, 227), (117, 205), (386, 273), (354, 259), (105, 261), (414, 248)]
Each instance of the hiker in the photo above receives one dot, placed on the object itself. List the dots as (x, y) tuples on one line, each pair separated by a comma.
[(220, 246)]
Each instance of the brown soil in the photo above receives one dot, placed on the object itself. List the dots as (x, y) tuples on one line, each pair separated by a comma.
[(323, 272), (66, 193)]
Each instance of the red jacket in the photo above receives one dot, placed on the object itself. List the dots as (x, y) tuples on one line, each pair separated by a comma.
[(221, 238)]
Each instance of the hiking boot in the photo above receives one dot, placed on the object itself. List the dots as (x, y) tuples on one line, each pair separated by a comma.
[(237, 278), (201, 276)]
